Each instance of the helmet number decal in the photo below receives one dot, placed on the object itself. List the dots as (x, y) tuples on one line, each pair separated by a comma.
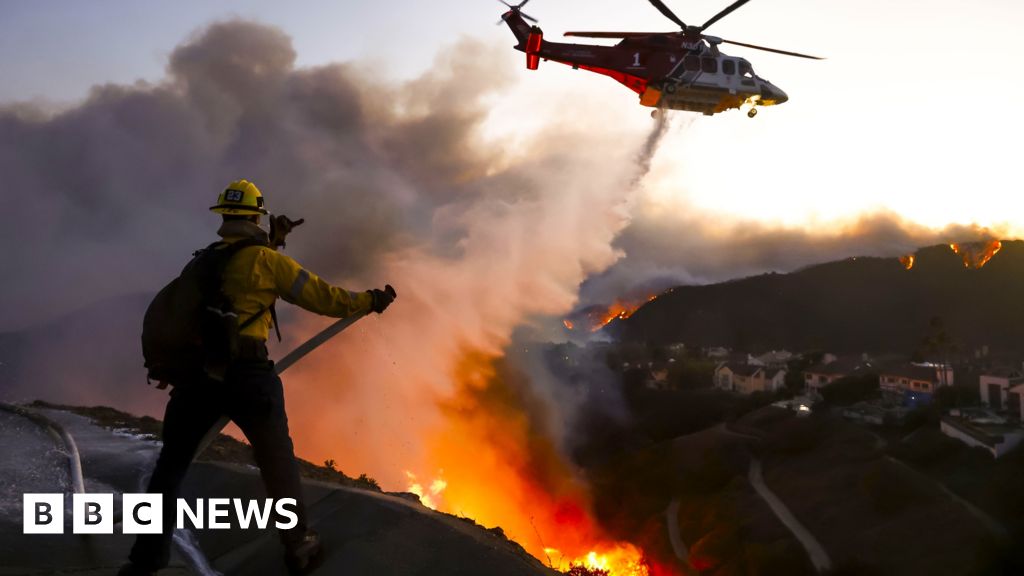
[(233, 195)]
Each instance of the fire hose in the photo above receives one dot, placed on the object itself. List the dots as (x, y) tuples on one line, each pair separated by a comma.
[(58, 433), (290, 359)]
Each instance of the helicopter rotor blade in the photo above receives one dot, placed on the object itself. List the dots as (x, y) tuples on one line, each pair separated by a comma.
[(517, 8), (775, 50), (728, 10), (617, 34), (668, 13)]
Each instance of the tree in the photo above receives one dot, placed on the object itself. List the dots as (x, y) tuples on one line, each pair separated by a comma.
[(937, 342)]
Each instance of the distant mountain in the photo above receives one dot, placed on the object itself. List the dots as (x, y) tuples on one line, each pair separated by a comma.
[(854, 305)]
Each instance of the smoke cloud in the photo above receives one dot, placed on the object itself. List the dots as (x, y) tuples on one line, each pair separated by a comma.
[(109, 197), (665, 248)]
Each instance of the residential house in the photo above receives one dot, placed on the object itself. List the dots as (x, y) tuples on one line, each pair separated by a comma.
[(820, 375), (1003, 390), (716, 352), (982, 430), (915, 382), (747, 378), (773, 359)]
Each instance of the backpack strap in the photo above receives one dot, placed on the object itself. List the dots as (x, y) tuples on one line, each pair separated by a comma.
[(273, 318), (213, 280), (229, 251), (214, 260)]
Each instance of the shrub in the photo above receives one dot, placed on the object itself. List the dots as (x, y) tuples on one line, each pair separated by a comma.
[(581, 570), (365, 481)]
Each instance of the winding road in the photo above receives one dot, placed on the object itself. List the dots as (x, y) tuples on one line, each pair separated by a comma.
[(674, 538), (815, 551)]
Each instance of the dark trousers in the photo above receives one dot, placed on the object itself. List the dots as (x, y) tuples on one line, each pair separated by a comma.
[(252, 396)]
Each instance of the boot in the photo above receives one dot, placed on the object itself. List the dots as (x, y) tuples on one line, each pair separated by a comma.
[(305, 555)]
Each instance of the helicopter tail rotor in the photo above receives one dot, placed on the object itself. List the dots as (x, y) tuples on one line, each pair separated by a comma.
[(518, 9)]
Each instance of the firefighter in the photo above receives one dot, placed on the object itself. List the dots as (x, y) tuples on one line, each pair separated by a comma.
[(249, 392)]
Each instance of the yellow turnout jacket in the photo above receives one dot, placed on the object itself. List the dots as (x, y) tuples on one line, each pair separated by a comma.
[(256, 276)]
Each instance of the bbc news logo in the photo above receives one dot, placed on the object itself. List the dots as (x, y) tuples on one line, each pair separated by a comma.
[(144, 513)]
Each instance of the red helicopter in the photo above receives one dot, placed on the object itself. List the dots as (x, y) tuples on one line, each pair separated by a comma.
[(669, 70)]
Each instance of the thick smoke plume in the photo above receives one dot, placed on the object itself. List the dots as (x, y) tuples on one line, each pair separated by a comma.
[(665, 248), (397, 184)]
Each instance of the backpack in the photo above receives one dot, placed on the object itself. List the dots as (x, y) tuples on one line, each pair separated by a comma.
[(190, 328)]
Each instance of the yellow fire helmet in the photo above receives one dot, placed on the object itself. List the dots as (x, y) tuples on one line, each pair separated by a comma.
[(241, 198)]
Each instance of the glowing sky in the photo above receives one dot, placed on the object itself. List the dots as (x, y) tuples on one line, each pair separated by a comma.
[(915, 111)]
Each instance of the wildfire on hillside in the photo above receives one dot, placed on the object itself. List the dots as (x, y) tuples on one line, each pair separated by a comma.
[(907, 261), (599, 317), (502, 467), (976, 254)]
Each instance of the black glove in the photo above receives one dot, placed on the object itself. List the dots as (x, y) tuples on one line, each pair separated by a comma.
[(280, 226), (382, 298)]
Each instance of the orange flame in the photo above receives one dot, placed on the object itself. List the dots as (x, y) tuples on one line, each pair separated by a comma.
[(568, 324), (620, 309), (907, 261), (619, 560), (976, 254), (429, 495), (503, 469)]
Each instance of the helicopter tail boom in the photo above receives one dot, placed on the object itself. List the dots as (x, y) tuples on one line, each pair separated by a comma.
[(520, 29), (531, 38)]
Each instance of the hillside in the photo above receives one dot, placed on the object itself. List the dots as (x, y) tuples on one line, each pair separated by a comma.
[(364, 530), (853, 305)]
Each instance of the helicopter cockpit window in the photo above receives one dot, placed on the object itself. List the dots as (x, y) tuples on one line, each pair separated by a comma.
[(709, 65), (691, 63), (729, 67), (746, 70)]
